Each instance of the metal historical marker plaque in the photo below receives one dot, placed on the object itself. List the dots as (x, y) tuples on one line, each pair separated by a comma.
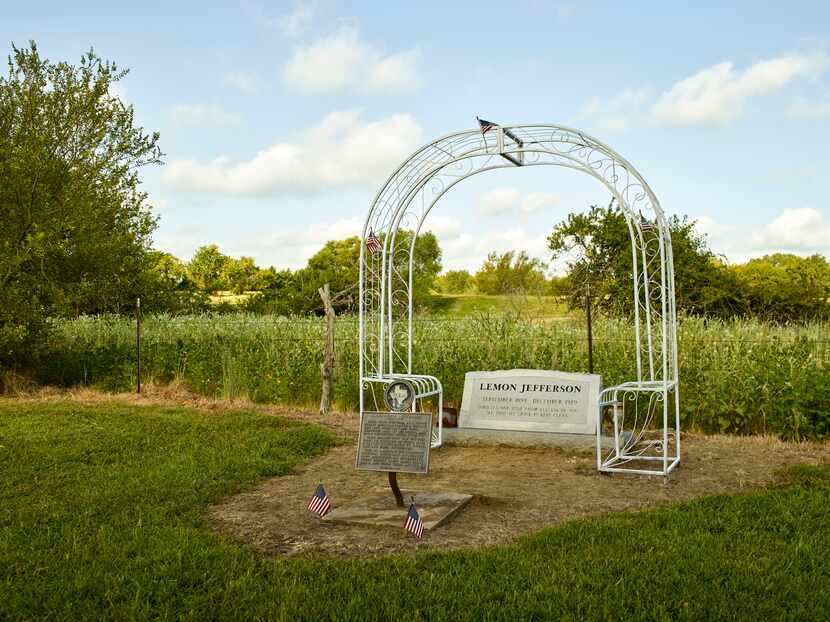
[(394, 442)]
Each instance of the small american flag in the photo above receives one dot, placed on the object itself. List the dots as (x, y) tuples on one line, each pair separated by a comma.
[(319, 502), (413, 522), (372, 243), (647, 225), (485, 126)]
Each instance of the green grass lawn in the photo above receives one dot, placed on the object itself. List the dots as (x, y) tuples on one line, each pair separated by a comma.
[(102, 517)]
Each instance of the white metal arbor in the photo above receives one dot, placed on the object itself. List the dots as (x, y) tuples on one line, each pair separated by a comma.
[(644, 412)]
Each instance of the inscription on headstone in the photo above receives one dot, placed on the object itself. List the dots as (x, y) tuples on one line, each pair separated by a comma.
[(531, 400), (394, 442)]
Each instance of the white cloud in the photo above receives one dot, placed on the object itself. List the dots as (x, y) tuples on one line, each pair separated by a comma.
[(342, 60), (799, 230), (204, 115), (499, 200), (714, 95), (295, 23), (712, 227), (468, 251), (803, 108), (565, 11), (618, 113), (717, 94), (245, 81), (340, 150), (291, 247), (445, 227), (504, 200), (534, 201)]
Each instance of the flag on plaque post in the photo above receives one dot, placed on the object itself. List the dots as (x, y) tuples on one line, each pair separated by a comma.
[(485, 126), (413, 522), (319, 502), (372, 243)]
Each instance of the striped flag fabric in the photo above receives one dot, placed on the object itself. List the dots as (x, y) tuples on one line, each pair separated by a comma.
[(485, 126), (372, 243), (413, 522), (647, 225), (319, 502)]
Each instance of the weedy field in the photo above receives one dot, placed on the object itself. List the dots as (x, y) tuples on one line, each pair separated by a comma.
[(103, 516), (740, 376)]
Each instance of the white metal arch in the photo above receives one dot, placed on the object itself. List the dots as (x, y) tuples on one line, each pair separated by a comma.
[(386, 277)]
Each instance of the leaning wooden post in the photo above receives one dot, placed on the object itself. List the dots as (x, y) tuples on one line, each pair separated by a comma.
[(590, 329), (327, 366), (138, 345)]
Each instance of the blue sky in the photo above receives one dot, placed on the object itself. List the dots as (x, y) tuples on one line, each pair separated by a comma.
[(280, 120)]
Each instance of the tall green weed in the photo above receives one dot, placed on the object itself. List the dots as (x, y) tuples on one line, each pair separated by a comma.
[(738, 376)]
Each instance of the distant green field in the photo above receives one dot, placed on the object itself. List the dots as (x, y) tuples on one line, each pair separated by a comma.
[(102, 517), (471, 305)]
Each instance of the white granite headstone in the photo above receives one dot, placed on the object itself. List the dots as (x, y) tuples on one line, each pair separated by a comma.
[(531, 400)]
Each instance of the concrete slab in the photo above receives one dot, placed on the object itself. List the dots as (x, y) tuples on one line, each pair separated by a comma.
[(482, 436), (435, 509)]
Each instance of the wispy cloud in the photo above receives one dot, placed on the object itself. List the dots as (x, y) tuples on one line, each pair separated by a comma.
[(506, 200), (204, 115), (619, 112), (296, 22), (713, 96), (342, 60), (718, 94), (798, 230), (244, 81), (804, 108), (342, 149)]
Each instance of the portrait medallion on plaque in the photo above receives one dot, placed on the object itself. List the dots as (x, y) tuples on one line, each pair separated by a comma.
[(399, 396)]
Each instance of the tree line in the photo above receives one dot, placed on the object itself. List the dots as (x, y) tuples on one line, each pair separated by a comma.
[(76, 233)]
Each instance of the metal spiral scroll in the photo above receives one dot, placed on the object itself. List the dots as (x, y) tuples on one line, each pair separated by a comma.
[(411, 192)]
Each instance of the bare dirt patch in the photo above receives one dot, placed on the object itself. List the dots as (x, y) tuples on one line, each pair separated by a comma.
[(517, 490)]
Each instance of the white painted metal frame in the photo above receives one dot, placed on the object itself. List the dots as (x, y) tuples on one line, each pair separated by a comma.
[(644, 413)]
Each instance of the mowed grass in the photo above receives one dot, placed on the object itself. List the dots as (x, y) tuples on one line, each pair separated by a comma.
[(102, 517)]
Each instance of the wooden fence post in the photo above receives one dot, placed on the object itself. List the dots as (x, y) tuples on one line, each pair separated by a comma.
[(138, 345), (327, 366), (590, 329)]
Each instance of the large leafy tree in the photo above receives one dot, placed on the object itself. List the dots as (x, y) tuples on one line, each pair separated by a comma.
[(511, 273), (598, 246), (337, 264), (455, 282), (75, 226), (208, 268), (783, 287)]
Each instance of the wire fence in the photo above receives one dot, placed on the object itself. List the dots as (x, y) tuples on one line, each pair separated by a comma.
[(742, 376)]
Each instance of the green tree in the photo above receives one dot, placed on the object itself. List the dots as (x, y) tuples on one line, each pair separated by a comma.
[(337, 264), (455, 282), (599, 243), (784, 287), (511, 273), (167, 286), (241, 274), (75, 227), (208, 268)]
